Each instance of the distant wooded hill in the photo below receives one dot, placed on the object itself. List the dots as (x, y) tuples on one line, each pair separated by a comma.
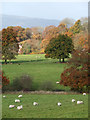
[(11, 20)]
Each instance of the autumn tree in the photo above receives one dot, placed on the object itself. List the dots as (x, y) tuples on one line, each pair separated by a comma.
[(76, 28), (59, 47), (76, 76), (79, 34), (47, 34), (37, 33), (9, 44), (22, 33), (81, 41), (46, 30), (52, 32)]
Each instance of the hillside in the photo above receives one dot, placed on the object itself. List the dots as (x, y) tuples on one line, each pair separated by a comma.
[(11, 20)]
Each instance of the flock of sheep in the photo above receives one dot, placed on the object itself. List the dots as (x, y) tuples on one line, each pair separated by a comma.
[(35, 103), (18, 101), (73, 100)]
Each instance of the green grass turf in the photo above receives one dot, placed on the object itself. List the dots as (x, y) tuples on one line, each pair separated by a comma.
[(47, 107), (39, 68)]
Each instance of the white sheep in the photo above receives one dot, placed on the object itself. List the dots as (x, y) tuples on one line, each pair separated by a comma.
[(4, 96), (35, 103), (57, 82), (20, 96), (17, 101), (79, 102), (73, 100), (11, 106), (20, 107), (36, 56), (84, 94), (59, 104)]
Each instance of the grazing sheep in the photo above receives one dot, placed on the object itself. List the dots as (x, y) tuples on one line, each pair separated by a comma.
[(11, 106), (73, 100), (57, 82), (59, 104), (84, 94), (4, 96), (20, 107), (79, 102), (36, 56), (20, 96), (35, 103), (17, 100)]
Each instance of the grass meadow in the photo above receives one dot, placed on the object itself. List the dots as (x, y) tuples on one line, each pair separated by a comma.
[(38, 67), (47, 107), (41, 70)]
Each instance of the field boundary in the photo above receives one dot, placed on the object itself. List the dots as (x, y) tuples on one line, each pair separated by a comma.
[(41, 92)]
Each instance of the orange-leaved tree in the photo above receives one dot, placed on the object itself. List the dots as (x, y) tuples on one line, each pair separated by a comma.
[(52, 32), (76, 76)]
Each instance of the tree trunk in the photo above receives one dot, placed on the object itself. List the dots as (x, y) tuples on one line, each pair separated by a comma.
[(5, 61), (63, 59), (87, 88)]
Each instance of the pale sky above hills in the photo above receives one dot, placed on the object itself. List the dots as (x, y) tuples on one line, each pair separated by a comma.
[(47, 10)]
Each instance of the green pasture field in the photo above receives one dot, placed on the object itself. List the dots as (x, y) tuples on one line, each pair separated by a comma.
[(38, 67), (47, 107)]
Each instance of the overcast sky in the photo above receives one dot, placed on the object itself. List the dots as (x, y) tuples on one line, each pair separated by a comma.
[(48, 10)]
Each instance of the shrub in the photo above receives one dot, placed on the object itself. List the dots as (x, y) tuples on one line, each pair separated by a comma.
[(5, 82), (77, 75), (47, 85), (23, 82), (16, 85), (75, 78)]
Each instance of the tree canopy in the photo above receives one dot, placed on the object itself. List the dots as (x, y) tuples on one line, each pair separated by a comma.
[(59, 47), (9, 44)]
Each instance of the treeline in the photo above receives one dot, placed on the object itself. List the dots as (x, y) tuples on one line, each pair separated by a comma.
[(35, 39), (16, 39)]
